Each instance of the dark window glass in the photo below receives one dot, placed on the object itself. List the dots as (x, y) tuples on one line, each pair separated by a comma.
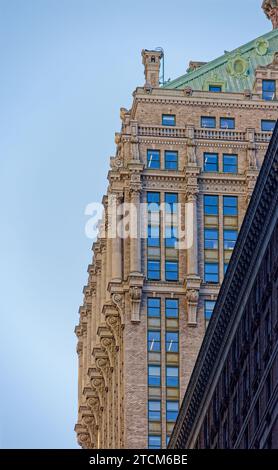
[(154, 343), (230, 164), (172, 342), (208, 122), (172, 308), (154, 310), (153, 200), (227, 123), (269, 90), (172, 376), (209, 307), (154, 270), (211, 162), (171, 270), (268, 126), (212, 273), (215, 88), (154, 410), (230, 237), (168, 120), (172, 410), (211, 205), (154, 442), (211, 239), (230, 204), (154, 376), (153, 157), (171, 160)]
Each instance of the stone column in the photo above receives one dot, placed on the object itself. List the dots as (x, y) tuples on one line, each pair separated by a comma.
[(103, 279), (192, 255), (116, 239), (135, 239)]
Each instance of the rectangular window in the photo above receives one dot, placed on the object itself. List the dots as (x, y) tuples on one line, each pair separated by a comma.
[(153, 236), (230, 163), (227, 123), (172, 342), (211, 204), (172, 308), (171, 201), (211, 162), (267, 126), (153, 200), (154, 410), (154, 442), (212, 273), (171, 160), (172, 411), (153, 270), (154, 343), (209, 307), (168, 120), (230, 206), (230, 238), (215, 88), (171, 271), (172, 377), (208, 122), (171, 234), (154, 309), (154, 376), (153, 158), (211, 239), (269, 90)]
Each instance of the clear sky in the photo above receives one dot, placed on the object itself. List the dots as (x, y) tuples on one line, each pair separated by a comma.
[(66, 68)]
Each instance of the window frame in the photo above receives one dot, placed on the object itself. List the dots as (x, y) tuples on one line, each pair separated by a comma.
[(230, 165), (165, 116), (228, 119), (206, 165), (175, 162), (209, 118), (157, 152)]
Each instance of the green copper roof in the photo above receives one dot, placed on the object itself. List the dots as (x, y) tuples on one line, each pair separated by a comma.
[(235, 70)]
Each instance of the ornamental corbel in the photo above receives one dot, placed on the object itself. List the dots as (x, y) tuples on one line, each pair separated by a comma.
[(118, 301), (192, 297), (113, 322), (108, 344), (83, 436), (103, 364), (98, 385), (135, 293), (94, 405)]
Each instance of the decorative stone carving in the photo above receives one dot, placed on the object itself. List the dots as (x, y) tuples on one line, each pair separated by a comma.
[(262, 46), (83, 437), (114, 323), (116, 163), (135, 293), (270, 8), (118, 301), (237, 66), (108, 344), (193, 284), (103, 364)]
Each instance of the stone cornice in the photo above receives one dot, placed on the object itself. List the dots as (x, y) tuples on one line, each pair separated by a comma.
[(260, 212)]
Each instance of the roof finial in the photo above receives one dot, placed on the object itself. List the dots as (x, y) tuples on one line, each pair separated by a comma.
[(270, 8)]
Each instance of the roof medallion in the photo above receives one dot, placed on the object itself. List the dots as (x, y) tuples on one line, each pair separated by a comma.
[(237, 66), (262, 46)]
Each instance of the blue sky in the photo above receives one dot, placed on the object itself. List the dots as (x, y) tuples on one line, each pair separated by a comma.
[(67, 66)]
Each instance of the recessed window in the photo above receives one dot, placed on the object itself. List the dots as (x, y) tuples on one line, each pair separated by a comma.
[(172, 342), (154, 376), (209, 307), (230, 163), (230, 238), (168, 120), (211, 162), (227, 123), (154, 442), (230, 206), (212, 273), (172, 411), (171, 271), (215, 88), (153, 270), (171, 160), (154, 410), (154, 309), (172, 308), (171, 237), (172, 377), (268, 126), (211, 205), (208, 122), (153, 157), (211, 239), (171, 200), (269, 90), (154, 343), (153, 236)]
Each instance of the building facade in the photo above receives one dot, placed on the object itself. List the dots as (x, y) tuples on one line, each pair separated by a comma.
[(195, 143), (232, 398)]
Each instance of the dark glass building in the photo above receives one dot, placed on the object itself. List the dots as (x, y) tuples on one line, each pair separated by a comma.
[(232, 398)]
